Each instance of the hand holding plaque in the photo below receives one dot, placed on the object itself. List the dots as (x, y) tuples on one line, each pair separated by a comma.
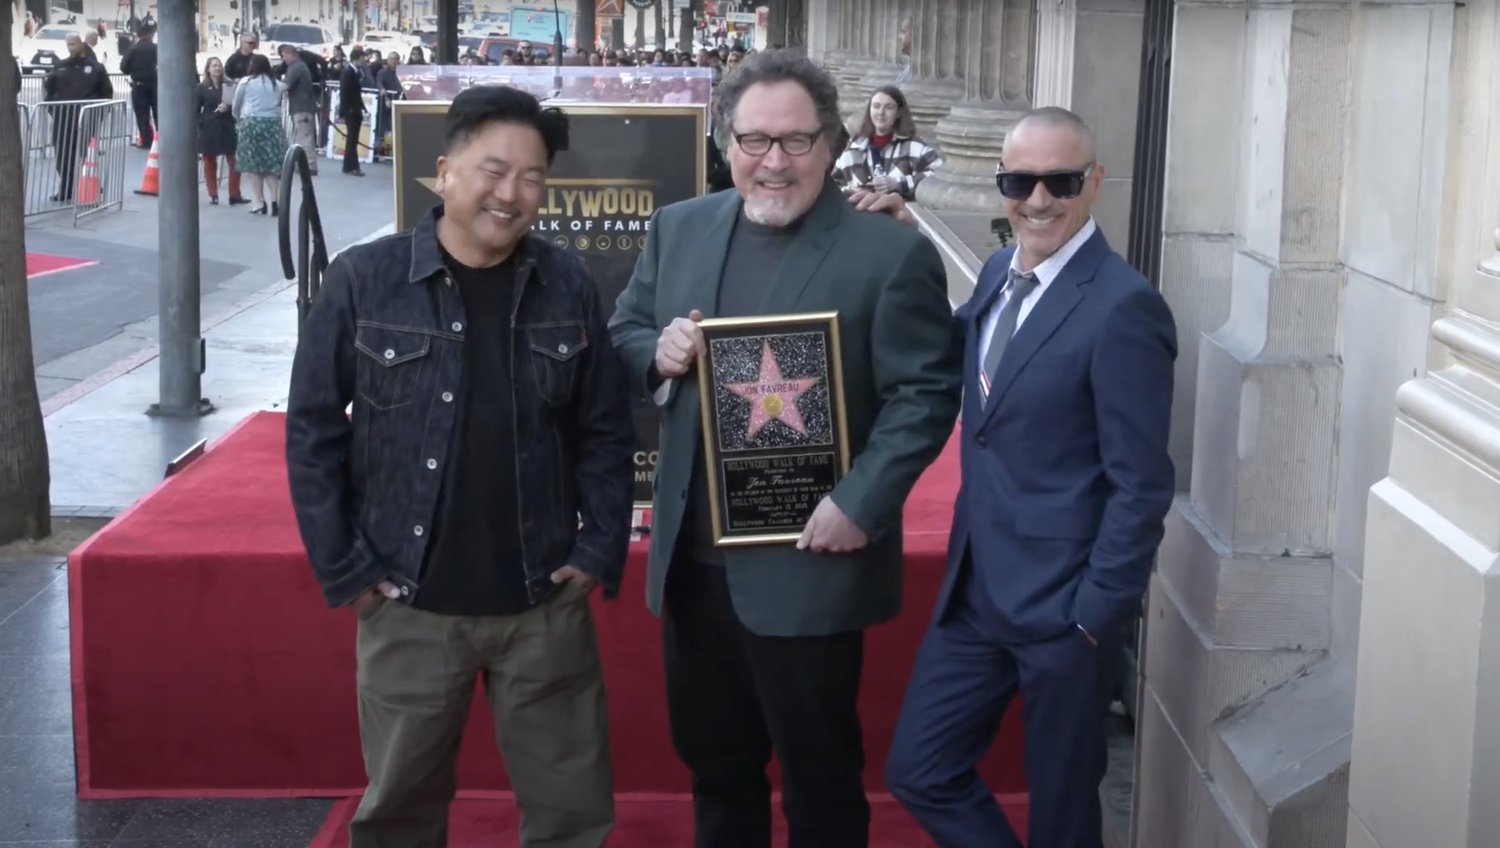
[(774, 430)]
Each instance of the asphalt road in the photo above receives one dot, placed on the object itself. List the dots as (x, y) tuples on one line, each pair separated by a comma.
[(85, 320)]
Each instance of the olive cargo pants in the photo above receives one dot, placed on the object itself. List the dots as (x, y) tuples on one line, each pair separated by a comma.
[(545, 687)]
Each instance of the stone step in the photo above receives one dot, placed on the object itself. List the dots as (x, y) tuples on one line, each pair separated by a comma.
[(1282, 762)]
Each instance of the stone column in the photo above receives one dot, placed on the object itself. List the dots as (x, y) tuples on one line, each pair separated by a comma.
[(1088, 59), (1242, 717), (936, 55), (1426, 742), (883, 69), (823, 33), (996, 70)]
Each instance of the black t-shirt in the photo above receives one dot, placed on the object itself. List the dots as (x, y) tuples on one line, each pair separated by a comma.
[(754, 250), (474, 565)]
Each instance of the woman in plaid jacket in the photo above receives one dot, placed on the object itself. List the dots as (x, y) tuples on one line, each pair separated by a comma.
[(886, 156)]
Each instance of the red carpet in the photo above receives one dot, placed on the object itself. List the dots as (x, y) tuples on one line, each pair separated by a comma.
[(41, 264), (640, 823), (206, 664)]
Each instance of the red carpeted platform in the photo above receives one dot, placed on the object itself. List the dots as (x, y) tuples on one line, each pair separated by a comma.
[(206, 664), (642, 823), (41, 264)]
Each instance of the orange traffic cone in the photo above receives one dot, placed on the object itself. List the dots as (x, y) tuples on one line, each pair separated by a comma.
[(88, 181), (151, 180)]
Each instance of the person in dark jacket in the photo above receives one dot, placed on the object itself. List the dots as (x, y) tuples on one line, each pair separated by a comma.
[(479, 492), (75, 81), (352, 109), (216, 134), (237, 66), (140, 65)]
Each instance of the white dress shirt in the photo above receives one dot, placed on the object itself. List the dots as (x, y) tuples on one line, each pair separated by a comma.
[(1045, 274)]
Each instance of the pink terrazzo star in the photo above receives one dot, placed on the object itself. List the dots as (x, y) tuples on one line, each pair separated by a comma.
[(771, 397)]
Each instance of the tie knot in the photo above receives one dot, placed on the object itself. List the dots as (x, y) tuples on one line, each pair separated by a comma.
[(1020, 284)]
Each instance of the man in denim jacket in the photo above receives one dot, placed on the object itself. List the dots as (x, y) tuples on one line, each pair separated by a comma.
[(479, 491)]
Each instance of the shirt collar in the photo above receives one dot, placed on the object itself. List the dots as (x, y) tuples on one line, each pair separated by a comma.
[(1048, 270), (427, 253)]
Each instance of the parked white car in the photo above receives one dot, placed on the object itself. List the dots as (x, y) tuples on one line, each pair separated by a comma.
[(314, 38), (386, 40), (43, 51)]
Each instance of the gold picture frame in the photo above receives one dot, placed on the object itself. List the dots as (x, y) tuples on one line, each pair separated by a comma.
[(774, 443)]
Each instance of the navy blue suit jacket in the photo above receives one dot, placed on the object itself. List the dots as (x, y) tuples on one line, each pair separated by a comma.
[(1065, 474)]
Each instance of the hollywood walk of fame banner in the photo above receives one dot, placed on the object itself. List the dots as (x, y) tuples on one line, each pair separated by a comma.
[(623, 163), (775, 432)]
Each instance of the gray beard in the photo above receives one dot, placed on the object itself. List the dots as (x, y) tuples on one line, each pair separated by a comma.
[(772, 213)]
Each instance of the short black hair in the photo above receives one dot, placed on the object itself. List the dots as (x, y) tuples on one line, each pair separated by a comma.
[(479, 106)]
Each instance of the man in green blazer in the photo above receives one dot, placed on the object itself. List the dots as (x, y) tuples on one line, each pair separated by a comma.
[(764, 644)]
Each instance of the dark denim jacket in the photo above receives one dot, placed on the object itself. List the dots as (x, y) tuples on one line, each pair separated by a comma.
[(386, 333)]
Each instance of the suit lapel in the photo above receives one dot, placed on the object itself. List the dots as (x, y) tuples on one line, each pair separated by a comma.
[(698, 285), (1052, 309), (986, 291), (808, 249)]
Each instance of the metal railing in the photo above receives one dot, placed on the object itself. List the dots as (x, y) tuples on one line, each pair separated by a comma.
[(73, 157), (312, 249), (102, 159), (32, 91)]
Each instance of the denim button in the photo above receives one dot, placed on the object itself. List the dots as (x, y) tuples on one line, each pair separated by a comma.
[(562, 348), (457, 326), (447, 397), (406, 590), (390, 354), (431, 463), (417, 531)]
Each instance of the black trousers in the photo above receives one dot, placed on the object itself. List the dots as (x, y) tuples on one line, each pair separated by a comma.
[(733, 697), (352, 123), (143, 102)]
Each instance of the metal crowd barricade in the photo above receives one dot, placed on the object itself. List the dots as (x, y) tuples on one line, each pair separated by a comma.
[(101, 158), (34, 92), (73, 157)]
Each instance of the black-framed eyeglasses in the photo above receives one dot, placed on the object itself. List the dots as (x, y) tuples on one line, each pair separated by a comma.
[(1063, 185), (792, 144)]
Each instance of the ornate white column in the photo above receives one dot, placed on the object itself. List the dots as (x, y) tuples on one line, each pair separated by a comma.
[(1056, 21), (996, 70), (1426, 747), (1239, 619), (936, 52)]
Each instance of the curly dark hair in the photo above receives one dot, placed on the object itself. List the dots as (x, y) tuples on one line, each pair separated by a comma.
[(772, 66)]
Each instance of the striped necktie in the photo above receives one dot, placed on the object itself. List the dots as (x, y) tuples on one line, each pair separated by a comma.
[(1020, 287)]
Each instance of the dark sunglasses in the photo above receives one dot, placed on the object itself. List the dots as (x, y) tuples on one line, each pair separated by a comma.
[(1063, 185)]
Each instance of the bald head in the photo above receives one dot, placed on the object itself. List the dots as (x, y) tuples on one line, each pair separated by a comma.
[(1056, 123), (75, 44)]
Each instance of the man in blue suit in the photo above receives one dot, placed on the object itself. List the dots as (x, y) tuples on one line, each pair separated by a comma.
[(1065, 484)]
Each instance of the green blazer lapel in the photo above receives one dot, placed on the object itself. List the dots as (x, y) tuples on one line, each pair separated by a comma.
[(808, 250), (695, 282)]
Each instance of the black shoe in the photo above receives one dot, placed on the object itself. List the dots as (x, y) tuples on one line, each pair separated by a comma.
[(274, 210), (237, 201), (354, 173), (213, 201), (259, 211)]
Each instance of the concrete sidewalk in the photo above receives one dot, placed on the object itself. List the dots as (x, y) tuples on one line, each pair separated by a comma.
[(106, 452)]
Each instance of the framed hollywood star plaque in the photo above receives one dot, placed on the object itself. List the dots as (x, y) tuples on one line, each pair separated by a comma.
[(775, 433)]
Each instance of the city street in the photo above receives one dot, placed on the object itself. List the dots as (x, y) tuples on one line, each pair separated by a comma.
[(88, 319)]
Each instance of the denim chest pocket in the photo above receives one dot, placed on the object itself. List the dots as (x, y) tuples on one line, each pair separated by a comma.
[(555, 351), (391, 364)]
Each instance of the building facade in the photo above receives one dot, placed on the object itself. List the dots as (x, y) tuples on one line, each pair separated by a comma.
[(1321, 658)]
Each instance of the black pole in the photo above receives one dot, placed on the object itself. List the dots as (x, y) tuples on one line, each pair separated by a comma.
[(447, 25), (557, 49)]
